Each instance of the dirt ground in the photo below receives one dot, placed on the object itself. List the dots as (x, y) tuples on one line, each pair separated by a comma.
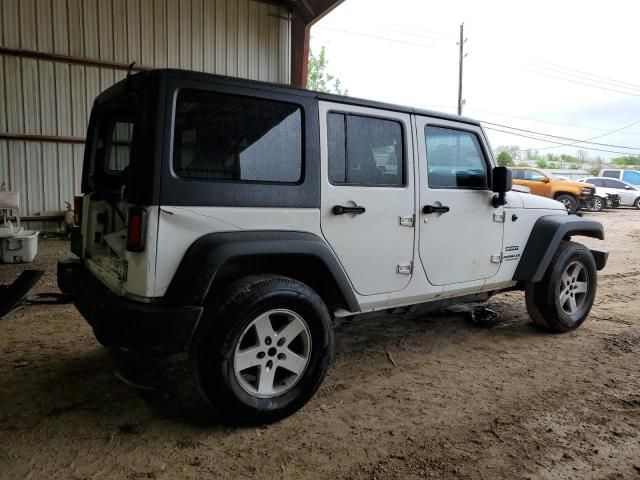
[(407, 397)]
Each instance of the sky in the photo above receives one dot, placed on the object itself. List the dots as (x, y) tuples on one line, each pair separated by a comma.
[(561, 67)]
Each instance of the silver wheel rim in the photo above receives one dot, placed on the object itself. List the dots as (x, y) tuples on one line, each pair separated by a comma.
[(272, 353), (567, 203), (574, 288), (597, 204)]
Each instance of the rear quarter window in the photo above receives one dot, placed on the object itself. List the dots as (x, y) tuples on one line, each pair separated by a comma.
[(225, 137)]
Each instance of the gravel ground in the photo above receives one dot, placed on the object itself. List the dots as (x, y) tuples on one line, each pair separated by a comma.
[(408, 396)]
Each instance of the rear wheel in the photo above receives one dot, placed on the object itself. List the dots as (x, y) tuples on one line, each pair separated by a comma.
[(264, 351), (562, 300), (569, 201)]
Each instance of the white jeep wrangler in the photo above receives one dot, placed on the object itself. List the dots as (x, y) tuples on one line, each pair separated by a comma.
[(238, 219)]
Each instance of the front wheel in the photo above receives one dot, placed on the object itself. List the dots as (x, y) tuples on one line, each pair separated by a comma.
[(570, 202), (595, 204), (637, 203), (264, 351), (562, 300)]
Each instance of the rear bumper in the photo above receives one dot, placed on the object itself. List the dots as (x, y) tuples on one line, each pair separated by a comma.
[(121, 322)]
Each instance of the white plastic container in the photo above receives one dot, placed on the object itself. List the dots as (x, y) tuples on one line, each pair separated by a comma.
[(20, 248)]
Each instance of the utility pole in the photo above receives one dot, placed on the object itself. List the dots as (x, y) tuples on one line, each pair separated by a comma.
[(462, 55)]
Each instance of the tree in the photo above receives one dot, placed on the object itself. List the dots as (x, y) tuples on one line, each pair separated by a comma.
[(504, 159), (628, 160), (541, 163), (319, 79)]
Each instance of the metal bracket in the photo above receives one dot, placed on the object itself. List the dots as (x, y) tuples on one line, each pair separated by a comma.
[(407, 220), (404, 268), (496, 258), (499, 217)]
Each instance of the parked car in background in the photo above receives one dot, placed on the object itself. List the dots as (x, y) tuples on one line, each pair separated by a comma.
[(629, 176), (572, 194), (629, 194)]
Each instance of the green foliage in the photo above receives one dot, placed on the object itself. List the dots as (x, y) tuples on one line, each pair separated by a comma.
[(569, 158), (628, 160), (319, 79), (542, 163), (505, 159)]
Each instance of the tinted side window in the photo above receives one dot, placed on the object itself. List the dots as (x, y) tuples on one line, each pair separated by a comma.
[(230, 137), (120, 146), (517, 174), (610, 173), (533, 176), (631, 177), (365, 151), (598, 182), (611, 184), (454, 159)]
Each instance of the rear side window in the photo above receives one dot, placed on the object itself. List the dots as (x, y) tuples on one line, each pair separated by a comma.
[(236, 138), (120, 146), (631, 177), (454, 159), (365, 151), (598, 182), (610, 173)]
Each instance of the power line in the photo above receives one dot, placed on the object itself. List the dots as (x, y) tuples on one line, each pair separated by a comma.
[(540, 121), (581, 83), (567, 138), (633, 86), (572, 76), (551, 141), (378, 37), (588, 140)]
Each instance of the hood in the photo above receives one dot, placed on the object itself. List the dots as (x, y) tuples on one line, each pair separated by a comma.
[(534, 201), (567, 183)]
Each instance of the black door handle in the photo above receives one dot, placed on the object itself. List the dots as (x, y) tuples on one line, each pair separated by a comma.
[(434, 209), (340, 210)]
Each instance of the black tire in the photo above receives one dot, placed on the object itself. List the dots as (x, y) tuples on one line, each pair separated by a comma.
[(596, 204), (637, 203), (543, 298), (224, 328), (569, 201)]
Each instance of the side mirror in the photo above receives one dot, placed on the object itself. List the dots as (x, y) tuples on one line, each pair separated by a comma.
[(545, 180), (627, 187), (501, 183)]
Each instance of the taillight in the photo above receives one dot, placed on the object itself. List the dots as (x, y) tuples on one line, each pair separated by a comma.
[(77, 211), (136, 229)]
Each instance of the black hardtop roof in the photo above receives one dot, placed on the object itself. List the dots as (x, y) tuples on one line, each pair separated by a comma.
[(141, 78)]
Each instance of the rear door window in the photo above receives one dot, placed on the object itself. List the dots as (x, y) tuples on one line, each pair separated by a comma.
[(610, 174), (597, 182), (365, 151), (224, 137)]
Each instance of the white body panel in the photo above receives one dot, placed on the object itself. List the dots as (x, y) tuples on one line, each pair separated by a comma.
[(179, 227)]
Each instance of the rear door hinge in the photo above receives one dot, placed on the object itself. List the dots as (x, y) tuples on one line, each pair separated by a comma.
[(496, 258), (499, 217), (404, 268)]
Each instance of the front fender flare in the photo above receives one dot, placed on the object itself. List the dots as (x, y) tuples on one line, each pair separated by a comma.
[(545, 238)]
